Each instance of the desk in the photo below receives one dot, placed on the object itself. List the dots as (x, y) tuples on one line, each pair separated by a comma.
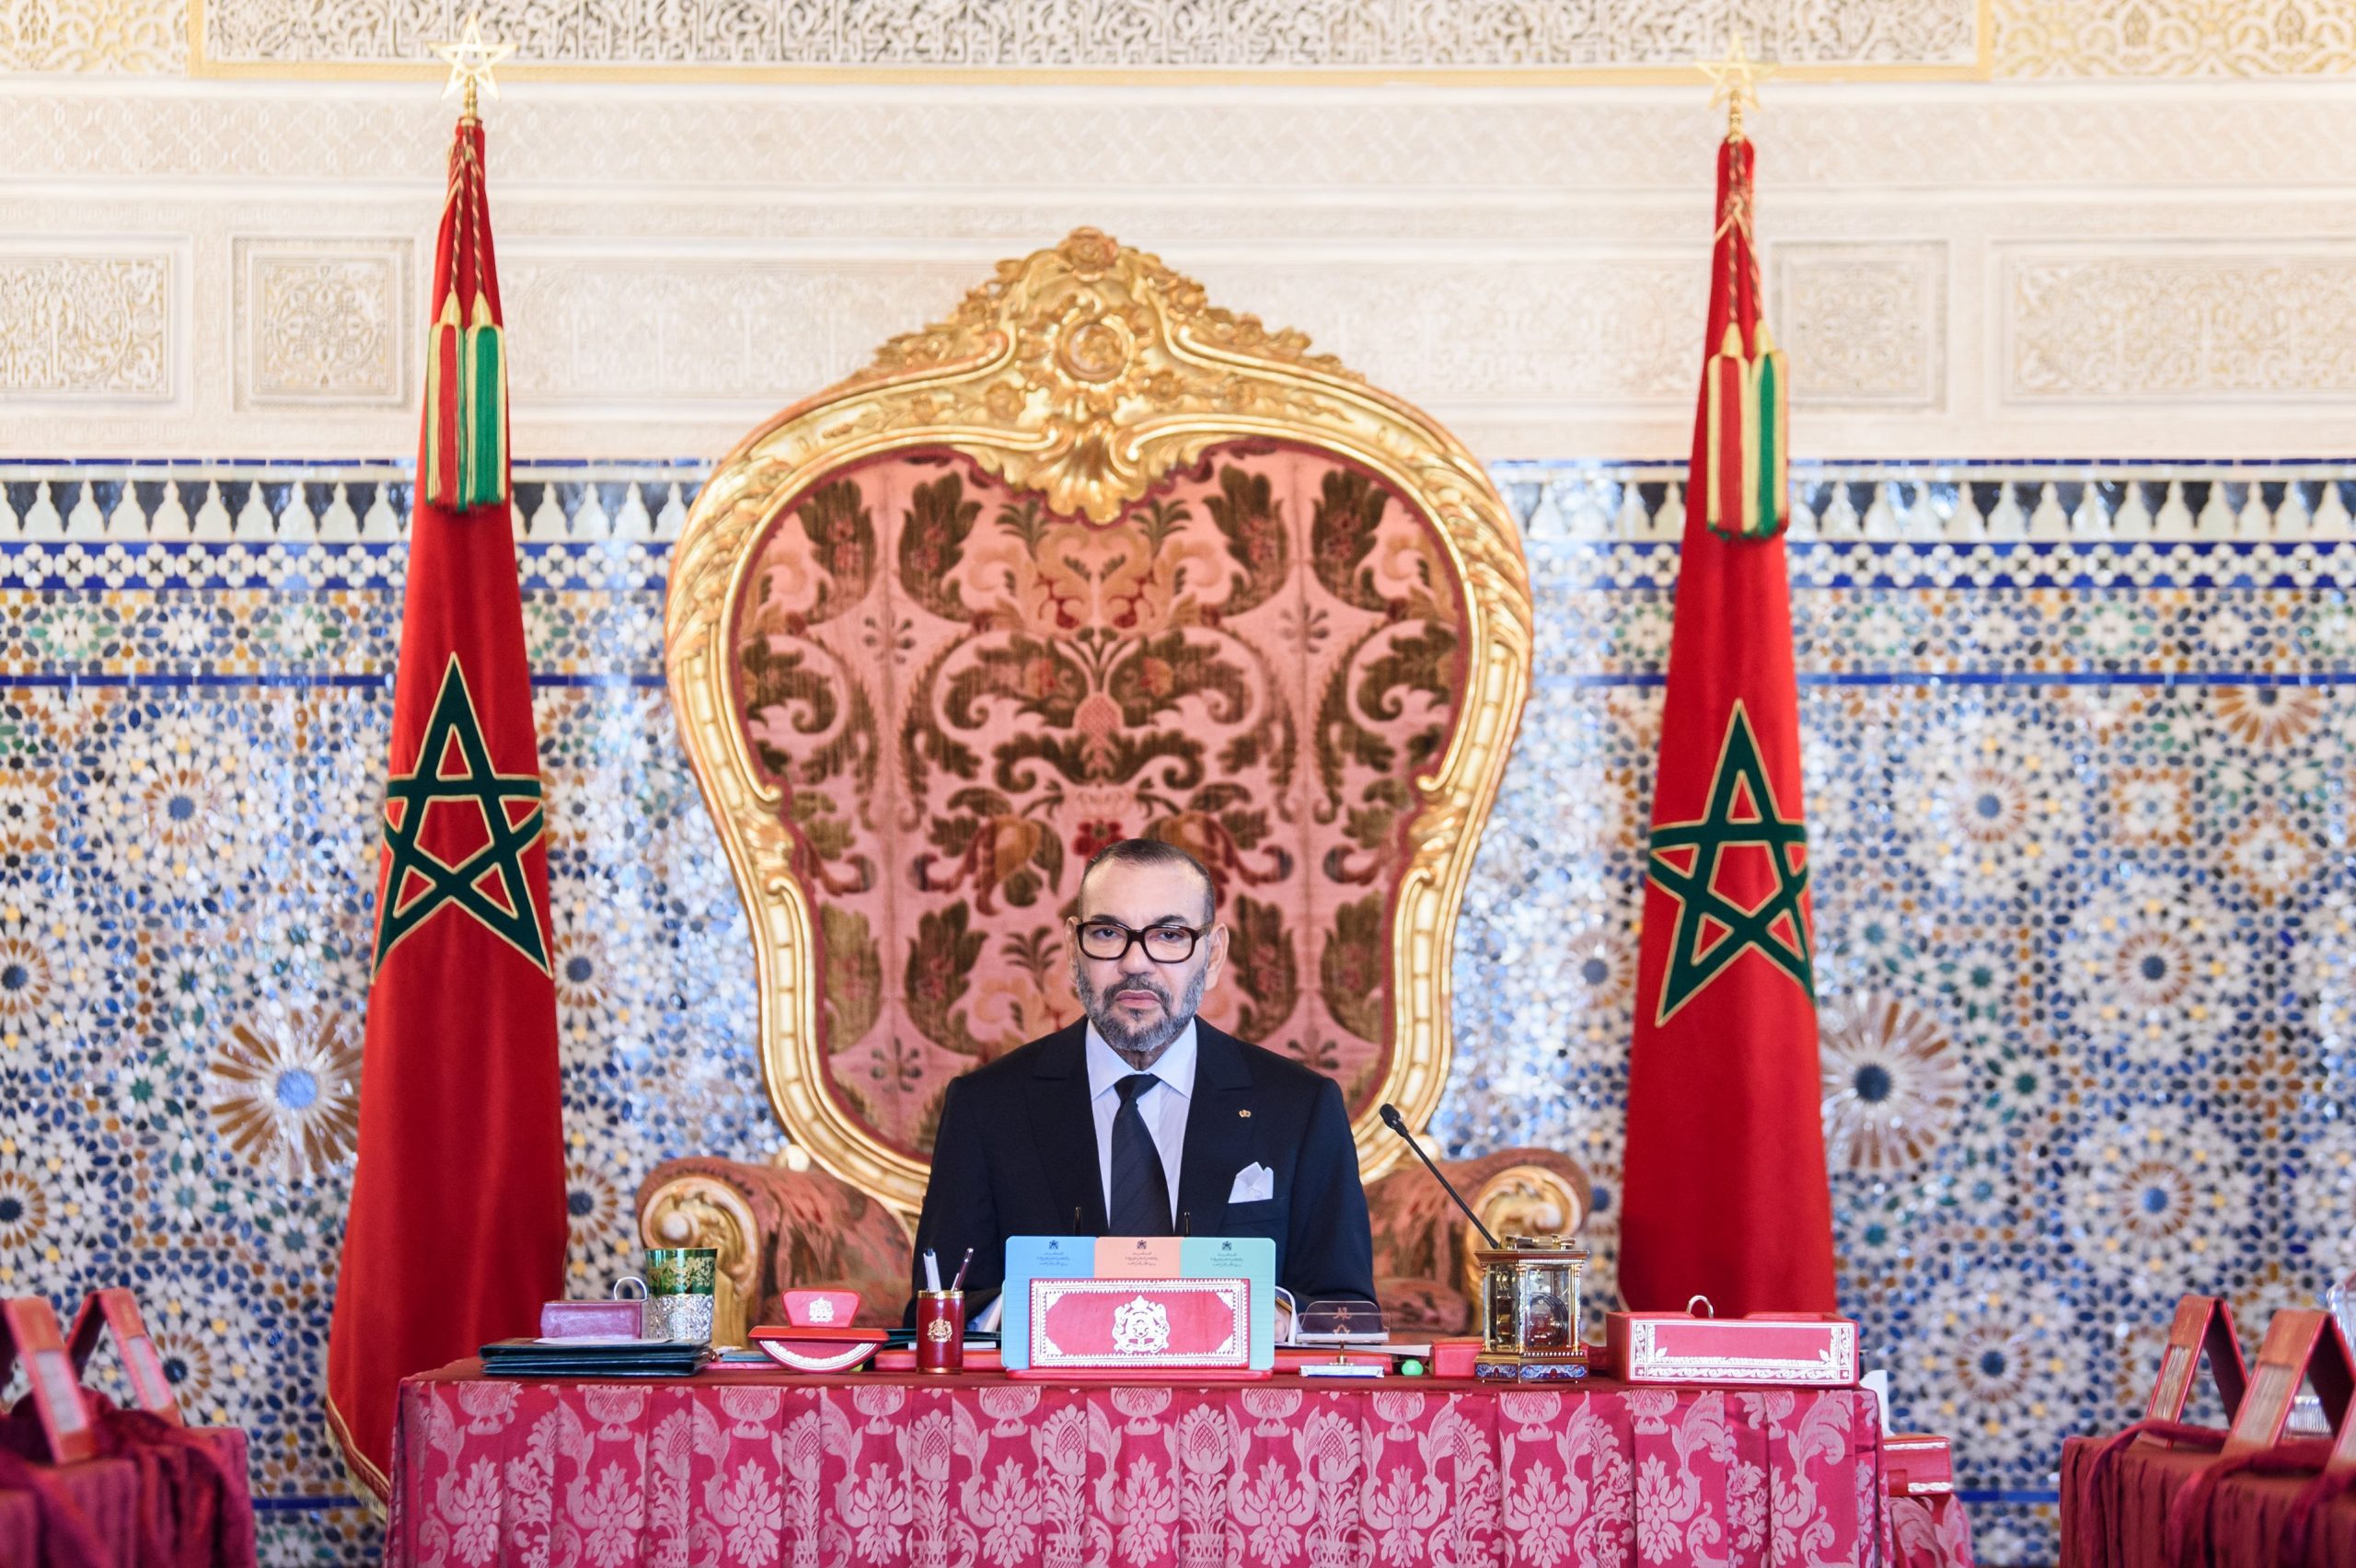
[(741, 1468)]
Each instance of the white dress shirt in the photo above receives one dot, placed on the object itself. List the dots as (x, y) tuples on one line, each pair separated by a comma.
[(1163, 1106)]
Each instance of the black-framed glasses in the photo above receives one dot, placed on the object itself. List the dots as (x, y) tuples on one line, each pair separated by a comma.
[(1109, 941)]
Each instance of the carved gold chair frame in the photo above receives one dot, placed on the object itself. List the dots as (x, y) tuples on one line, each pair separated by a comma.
[(1087, 373)]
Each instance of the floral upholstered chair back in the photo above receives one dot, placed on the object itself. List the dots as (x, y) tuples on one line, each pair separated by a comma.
[(1092, 560)]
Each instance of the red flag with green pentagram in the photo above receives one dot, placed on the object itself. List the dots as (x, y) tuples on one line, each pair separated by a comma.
[(456, 1230), (1724, 1191)]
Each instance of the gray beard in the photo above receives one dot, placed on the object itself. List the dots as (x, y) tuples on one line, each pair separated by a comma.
[(1140, 1047)]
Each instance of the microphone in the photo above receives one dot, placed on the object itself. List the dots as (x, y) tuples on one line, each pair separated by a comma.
[(1398, 1123)]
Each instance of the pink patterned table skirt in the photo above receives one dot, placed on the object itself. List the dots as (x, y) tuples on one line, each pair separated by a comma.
[(744, 1469), (1927, 1532)]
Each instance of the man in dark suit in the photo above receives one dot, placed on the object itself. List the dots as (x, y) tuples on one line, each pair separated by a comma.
[(1141, 1120)]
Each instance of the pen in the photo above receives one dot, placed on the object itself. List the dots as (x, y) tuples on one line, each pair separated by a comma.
[(931, 1271), (959, 1283)]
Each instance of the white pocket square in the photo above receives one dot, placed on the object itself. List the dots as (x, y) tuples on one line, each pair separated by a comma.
[(1254, 1184)]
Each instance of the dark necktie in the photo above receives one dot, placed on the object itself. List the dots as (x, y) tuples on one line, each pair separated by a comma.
[(1141, 1191)]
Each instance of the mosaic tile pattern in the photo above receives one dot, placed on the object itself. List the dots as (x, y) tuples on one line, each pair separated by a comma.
[(2085, 916), (2086, 908)]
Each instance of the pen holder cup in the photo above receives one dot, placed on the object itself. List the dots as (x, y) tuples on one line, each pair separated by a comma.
[(941, 1331)]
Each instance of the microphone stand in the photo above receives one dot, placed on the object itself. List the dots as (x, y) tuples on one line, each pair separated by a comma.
[(1398, 1123)]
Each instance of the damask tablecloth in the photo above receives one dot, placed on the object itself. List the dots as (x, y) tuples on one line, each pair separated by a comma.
[(744, 1469)]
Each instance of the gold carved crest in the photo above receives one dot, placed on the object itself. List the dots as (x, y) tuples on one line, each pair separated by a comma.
[(1114, 366)]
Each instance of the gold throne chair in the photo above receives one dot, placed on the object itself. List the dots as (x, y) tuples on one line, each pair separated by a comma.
[(1089, 560)]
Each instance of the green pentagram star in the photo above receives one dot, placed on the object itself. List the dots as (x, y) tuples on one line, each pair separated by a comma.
[(1741, 811), (489, 884)]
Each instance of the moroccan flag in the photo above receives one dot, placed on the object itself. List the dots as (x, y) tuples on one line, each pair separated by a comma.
[(1725, 1189), (457, 1232)]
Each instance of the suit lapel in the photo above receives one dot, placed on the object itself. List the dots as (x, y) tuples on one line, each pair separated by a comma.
[(1064, 1131), (1218, 1139)]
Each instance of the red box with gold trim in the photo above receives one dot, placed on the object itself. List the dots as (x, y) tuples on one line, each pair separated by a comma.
[(1917, 1464), (1789, 1350)]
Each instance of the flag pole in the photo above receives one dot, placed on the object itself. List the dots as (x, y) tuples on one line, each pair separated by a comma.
[(1723, 1188), (456, 1229)]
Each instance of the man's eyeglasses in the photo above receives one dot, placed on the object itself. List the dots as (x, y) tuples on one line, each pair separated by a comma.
[(1109, 942)]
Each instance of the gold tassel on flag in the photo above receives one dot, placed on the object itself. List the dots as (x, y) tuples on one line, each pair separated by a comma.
[(1742, 465), (1749, 456), (465, 364)]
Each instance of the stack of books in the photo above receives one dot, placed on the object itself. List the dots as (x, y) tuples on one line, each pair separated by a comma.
[(592, 1357)]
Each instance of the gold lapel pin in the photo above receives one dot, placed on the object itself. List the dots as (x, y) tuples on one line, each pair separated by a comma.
[(1246, 1114)]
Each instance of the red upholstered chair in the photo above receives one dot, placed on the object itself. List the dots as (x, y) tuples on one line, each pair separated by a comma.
[(1089, 559)]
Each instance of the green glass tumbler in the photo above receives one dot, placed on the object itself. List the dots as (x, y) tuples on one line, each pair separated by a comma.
[(680, 1290)]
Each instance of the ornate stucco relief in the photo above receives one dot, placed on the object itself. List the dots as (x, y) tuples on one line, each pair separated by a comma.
[(1051, 37), (2173, 38), (2149, 38), (1862, 324), (2224, 323), (321, 322), (1466, 328), (891, 161), (686, 328), (77, 326), (98, 37), (692, 329), (1526, 268)]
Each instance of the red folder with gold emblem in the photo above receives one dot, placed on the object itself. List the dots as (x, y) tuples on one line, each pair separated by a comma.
[(113, 1313), (2302, 1345), (32, 1336), (2203, 1325)]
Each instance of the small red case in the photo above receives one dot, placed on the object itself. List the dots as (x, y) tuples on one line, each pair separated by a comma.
[(1454, 1357), (1917, 1464), (817, 1348)]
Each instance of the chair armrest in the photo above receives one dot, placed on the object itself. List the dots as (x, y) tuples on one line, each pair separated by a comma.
[(1423, 1247), (716, 1204), (1519, 1191), (776, 1228)]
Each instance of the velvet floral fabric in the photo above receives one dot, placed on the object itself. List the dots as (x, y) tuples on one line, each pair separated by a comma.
[(961, 696), (986, 1472)]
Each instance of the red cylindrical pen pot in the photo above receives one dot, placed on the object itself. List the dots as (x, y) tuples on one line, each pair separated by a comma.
[(941, 1331)]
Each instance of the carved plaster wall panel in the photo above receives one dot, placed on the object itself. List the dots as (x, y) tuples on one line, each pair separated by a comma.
[(1862, 324), (96, 37), (97, 324), (322, 322), (2227, 323), (677, 330), (2149, 38), (1465, 329), (1523, 266), (704, 333), (889, 161), (2173, 37), (1061, 36)]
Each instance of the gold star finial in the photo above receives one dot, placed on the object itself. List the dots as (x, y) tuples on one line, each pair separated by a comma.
[(470, 61), (1734, 82)]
